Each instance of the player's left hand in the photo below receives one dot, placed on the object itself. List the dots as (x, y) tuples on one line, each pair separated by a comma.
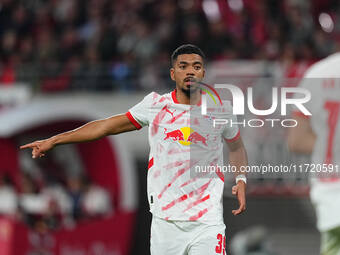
[(239, 190)]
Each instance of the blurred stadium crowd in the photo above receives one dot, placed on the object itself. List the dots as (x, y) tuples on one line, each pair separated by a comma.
[(53, 199), (96, 45)]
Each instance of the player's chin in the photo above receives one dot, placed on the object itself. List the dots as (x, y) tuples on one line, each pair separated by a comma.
[(190, 88)]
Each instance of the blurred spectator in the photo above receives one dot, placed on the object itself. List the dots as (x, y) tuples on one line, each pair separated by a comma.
[(323, 45), (75, 192), (90, 74), (31, 201), (58, 198), (46, 46), (8, 197), (222, 42), (103, 45), (8, 44), (96, 200), (300, 25)]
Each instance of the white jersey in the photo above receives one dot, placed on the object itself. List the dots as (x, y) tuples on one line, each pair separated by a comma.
[(180, 137), (323, 81)]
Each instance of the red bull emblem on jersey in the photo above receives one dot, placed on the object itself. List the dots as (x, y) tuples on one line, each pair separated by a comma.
[(185, 136)]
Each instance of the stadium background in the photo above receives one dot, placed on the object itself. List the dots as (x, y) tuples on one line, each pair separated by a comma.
[(67, 62)]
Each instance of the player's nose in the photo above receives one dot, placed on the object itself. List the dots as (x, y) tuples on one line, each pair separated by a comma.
[(190, 71)]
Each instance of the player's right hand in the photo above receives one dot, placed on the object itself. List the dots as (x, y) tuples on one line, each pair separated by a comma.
[(39, 147), (239, 190)]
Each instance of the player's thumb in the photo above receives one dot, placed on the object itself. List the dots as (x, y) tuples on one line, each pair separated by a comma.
[(234, 190), (35, 152)]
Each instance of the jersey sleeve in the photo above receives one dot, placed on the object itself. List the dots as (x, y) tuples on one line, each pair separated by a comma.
[(139, 114), (231, 131)]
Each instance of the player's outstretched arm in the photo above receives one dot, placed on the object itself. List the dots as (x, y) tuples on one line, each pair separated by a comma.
[(238, 158), (88, 132)]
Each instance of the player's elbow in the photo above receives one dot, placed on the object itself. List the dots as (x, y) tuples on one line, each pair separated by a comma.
[(292, 145), (294, 141), (299, 146)]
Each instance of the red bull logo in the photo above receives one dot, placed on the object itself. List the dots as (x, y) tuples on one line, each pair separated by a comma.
[(185, 136), (176, 135)]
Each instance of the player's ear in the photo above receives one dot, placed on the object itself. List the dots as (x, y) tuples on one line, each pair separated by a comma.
[(203, 72), (172, 73)]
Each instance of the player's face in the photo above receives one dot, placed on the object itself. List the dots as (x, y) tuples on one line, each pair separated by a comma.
[(187, 67)]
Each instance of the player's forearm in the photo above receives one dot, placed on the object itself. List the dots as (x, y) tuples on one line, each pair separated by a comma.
[(88, 132), (237, 159)]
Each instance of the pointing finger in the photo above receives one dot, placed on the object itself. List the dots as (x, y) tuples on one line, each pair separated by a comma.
[(29, 145)]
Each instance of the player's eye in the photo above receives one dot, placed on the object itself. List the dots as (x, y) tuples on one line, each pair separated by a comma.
[(197, 67), (182, 66)]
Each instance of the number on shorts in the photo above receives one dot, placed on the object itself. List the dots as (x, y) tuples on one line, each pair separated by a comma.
[(220, 248)]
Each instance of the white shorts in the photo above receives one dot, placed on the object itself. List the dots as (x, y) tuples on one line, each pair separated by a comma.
[(186, 238)]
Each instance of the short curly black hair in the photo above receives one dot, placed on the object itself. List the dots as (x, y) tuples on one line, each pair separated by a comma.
[(186, 49)]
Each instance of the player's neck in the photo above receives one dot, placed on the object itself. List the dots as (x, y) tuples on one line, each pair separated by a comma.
[(192, 99)]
